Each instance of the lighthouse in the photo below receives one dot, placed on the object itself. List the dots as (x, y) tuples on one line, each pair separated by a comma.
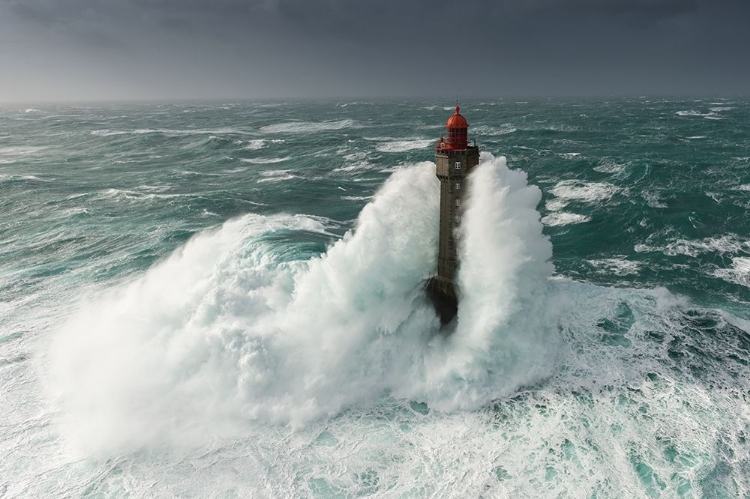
[(454, 160)]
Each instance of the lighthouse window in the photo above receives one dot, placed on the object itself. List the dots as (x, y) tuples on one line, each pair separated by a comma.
[(458, 202), (458, 186), (458, 165)]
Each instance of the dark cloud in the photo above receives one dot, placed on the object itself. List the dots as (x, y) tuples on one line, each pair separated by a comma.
[(299, 48), (31, 14)]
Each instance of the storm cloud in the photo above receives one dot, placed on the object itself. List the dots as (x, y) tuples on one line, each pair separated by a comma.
[(155, 49)]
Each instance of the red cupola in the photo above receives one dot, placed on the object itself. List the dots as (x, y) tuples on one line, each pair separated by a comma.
[(458, 138)]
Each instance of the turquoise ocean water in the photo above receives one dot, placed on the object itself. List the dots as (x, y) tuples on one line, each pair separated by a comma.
[(225, 300)]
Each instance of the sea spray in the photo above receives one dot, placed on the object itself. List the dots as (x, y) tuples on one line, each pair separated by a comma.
[(357, 314), (160, 358), (505, 335), (225, 331)]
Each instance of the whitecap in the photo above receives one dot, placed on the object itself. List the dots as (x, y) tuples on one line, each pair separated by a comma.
[(276, 176), (653, 199), (255, 144), (20, 150), (356, 156), (609, 166), (308, 126), (564, 218), (404, 145), (583, 192), (721, 245), (169, 132), (617, 266), (236, 170), (504, 129), (555, 204), (127, 195), (265, 161), (356, 198), (738, 274), (274, 173), (362, 165)]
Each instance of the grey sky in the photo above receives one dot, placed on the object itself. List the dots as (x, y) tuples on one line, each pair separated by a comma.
[(153, 49)]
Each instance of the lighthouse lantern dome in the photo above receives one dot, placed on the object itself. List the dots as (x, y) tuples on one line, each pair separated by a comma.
[(457, 131)]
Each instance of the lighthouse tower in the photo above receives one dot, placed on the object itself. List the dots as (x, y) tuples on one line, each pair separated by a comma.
[(454, 159)]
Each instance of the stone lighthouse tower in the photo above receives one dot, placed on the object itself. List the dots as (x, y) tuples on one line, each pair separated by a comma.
[(454, 159)]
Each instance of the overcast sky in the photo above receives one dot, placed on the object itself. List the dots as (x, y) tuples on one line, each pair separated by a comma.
[(271, 49)]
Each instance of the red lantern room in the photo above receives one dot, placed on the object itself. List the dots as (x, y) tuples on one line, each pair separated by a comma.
[(458, 138)]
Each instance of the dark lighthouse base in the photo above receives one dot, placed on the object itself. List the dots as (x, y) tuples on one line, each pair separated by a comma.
[(442, 294)]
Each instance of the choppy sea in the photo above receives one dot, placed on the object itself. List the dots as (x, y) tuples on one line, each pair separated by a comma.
[(227, 300)]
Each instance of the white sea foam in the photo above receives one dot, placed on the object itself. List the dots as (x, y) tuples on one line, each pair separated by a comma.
[(272, 176), (711, 115), (609, 166), (16, 151), (265, 161), (738, 274), (404, 145), (277, 178), (616, 266), (360, 165), (719, 109), (564, 218), (128, 195), (169, 132), (723, 244), (308, 126), (33, 178), (653, 199), (255, 144), (504, 129), (555, 204), (357, 161), (356, 198), (567, 191)]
